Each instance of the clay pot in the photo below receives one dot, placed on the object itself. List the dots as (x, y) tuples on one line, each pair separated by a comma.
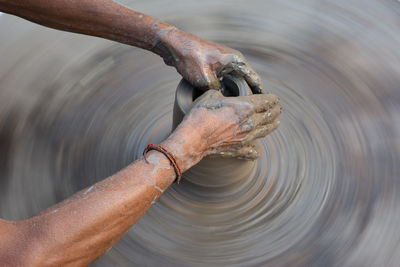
[(213, 171), (186, 94)]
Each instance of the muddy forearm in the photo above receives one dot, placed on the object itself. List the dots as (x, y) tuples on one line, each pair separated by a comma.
[(102, 18), (82, 228)]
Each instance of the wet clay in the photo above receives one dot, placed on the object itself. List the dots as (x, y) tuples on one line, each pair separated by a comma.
[(324, 190)]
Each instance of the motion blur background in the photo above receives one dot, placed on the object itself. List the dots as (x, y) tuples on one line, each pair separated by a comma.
[(325, 192)]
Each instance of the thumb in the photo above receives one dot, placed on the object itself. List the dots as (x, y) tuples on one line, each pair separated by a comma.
[(210, 81)]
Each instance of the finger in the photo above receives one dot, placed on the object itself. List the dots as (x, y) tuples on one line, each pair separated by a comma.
[(247, 152), (226, 70), (211, 81), (214, 82), (261, 102), (264, 130), (266, 117), (251, 77), (243, 68)]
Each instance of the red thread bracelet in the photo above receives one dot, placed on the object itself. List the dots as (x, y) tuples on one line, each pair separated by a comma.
[(170, 157)]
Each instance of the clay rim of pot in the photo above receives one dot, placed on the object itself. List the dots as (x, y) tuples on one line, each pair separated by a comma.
[(186, 94)]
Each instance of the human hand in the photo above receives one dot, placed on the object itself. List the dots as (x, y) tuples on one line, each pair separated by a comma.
[(203, 63), (218, 124)]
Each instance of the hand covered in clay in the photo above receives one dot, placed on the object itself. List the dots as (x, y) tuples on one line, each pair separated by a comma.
[(203, 63), (218, 125)]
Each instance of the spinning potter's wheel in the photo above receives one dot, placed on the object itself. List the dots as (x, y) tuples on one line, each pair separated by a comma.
[(325, 190)]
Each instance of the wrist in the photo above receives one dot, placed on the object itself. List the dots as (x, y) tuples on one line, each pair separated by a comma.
[(160, 161), (164, 43), (186, 148)]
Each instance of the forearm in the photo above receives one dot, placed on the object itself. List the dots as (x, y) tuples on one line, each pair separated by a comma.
[(81, 228), (102, 18)]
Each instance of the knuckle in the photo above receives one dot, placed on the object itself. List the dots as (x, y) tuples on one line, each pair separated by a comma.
[(239, 54), (247, 126), (237, 57), (268, 116), (245, 107), (256, 79), (225, 70), (274, 98)]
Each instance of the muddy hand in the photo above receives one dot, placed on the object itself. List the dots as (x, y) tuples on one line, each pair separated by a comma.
[(202, 62), (217, 123), (235, 121)]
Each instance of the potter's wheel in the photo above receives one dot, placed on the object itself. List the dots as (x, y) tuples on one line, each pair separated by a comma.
[(326, 188)]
